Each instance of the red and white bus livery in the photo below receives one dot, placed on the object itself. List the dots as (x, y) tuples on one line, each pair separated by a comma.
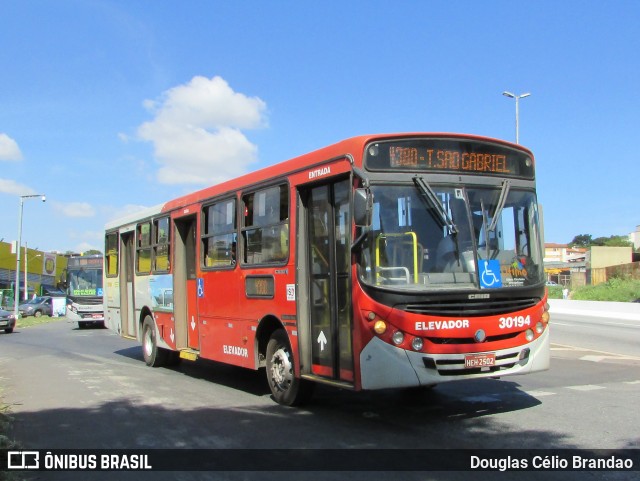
[(381, 261)]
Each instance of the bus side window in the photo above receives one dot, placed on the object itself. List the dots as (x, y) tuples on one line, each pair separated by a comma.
[(219, 237), (265, 232)]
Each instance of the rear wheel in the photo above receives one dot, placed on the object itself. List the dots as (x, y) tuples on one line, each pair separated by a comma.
[(37, 313), (154, 356), (285, 387)]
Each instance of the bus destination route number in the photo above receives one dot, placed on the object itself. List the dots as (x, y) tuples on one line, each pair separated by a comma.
[(452, 160)]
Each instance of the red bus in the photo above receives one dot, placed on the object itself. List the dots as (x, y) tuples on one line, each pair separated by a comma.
[(383, 261)]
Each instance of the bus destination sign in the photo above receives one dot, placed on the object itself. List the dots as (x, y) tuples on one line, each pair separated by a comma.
[(85, 261), (452, 156)]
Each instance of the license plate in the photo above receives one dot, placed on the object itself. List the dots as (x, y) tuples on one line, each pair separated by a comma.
[(97, 316), (479, 360), (4, 323)]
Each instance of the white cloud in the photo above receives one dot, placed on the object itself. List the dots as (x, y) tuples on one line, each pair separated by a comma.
[(8, 186), (9, 149), (197, 135), (113, 213), (74, 209)]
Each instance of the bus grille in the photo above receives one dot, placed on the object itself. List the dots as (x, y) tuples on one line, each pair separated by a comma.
[(471, 340), (459, 308), (455, 367)]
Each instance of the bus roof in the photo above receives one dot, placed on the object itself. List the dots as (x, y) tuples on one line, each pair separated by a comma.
[(134, 217), (349, 147), (353, 146)]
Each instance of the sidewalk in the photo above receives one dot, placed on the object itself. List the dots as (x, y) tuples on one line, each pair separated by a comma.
[(619, 310)]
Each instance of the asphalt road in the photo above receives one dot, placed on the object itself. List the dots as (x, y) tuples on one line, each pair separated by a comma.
[(72, 388)]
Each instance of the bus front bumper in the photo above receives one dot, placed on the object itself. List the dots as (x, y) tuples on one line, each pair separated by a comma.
[(385, 366)]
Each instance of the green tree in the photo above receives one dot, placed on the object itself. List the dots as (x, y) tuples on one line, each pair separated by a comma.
[(586, 240), (618, 241), (582, 240)]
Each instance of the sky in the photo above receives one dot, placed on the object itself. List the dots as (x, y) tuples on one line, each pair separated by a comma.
[(107, 107)]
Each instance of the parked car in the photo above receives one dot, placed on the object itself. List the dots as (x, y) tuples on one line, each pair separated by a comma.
[(551, 283), (37, 307), (7, 321)]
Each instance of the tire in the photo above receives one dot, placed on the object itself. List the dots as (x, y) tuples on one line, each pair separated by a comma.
[(9, 330), (287, 389), (38, 314), (154, 356)]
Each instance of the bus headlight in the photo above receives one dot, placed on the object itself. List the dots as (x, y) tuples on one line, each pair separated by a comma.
[(539, 327), (545, 316), (529, 335), (398, 338), (417, 344)]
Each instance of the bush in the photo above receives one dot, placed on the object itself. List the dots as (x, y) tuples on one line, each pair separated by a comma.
[(617, 290), (555, 292)]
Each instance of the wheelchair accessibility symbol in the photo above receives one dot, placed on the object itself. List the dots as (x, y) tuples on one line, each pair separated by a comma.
[(489, 272), (200, 287)]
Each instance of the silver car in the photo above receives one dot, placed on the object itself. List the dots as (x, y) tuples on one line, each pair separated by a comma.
[(37, 307)]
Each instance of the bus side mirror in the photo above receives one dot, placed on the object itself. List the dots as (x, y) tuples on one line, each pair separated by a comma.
[(362, 207)]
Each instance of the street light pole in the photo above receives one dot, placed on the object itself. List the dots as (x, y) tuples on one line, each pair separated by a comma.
[(16, 288), (25, 295), (517, 98)]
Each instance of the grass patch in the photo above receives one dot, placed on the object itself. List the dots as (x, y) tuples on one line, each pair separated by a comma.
[(36, 321), (5, 440), (614, 290), (555, 292)]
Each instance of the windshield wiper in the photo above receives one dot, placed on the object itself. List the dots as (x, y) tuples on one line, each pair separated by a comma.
[(495, 218), (506, 185), (429, 194)]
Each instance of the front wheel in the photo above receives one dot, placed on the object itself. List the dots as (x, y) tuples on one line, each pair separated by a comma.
[(285, 387), (8, 330), (154, 356)]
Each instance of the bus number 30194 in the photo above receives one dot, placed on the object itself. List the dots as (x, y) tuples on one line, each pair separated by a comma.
[(511, 322)]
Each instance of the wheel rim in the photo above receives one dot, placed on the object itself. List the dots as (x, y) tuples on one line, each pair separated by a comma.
[(281, 370), (147, 342)]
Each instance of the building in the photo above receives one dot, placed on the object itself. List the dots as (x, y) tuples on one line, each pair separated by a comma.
[(45, 272), (578, 266), (563, 253), (634, 238), (560, 261)]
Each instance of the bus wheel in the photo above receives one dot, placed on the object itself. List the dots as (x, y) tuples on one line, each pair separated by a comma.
[(154, 356), (285, 387)]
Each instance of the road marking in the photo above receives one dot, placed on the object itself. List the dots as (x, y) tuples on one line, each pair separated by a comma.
[(586, 387), (601, 358), (612, 355), (632, 382), (539, 393)]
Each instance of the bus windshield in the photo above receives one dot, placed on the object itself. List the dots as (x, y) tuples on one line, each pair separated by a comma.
[(426, 237), (84, 282)]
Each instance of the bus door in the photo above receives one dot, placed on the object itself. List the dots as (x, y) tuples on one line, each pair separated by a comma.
[(128, 322), (185, 284), (325, 258)]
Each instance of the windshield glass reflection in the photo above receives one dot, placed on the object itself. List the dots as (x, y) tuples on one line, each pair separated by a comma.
[(448, 237)]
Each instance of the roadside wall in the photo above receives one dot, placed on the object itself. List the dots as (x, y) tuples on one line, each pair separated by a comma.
[(617, 310)]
